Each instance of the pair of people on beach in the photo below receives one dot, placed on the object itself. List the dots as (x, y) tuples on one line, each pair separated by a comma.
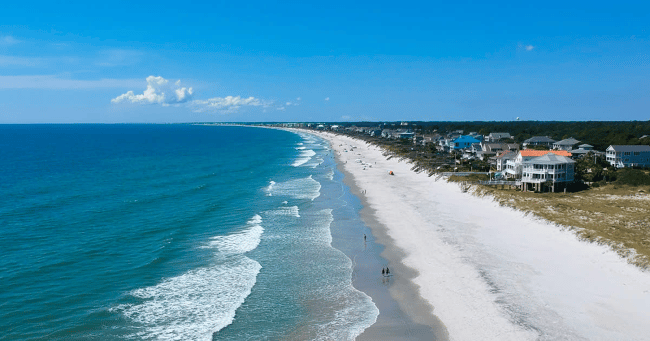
[(385, 271)]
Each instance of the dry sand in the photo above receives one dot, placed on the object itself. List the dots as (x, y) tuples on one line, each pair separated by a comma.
[(488, 272)]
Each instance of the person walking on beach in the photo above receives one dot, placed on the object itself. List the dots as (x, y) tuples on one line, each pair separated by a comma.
[(364, 237), (383, 272), (387, 271)]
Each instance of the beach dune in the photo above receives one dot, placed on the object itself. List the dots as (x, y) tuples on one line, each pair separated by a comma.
[(490, 272)]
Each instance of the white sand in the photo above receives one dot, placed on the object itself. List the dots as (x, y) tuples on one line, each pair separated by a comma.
[(491, 272)]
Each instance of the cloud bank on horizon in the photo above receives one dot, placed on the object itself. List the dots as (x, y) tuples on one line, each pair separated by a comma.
[(161, 91)]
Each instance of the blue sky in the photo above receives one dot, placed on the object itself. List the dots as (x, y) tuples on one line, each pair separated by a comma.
[(332, 61)]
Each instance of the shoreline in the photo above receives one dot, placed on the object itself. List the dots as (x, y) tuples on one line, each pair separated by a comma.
[(488, 272), (414, 318)]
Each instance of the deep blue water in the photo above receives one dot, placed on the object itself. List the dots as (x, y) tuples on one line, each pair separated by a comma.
[(172, 232)]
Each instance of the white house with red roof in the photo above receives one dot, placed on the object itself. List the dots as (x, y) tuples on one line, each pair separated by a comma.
[(514, 167), (550, 169)]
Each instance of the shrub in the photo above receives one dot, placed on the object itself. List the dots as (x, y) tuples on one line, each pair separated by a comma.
[(632, 177)]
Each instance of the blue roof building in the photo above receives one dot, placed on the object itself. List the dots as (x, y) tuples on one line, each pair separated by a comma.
[(462, 142)]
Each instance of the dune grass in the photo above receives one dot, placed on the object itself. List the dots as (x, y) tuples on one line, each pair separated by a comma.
[(614, 215)]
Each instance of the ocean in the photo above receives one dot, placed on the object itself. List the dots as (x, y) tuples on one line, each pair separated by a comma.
[(175, 232)]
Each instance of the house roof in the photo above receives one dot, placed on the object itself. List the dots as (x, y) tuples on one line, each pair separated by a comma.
[(567, 142), (585, 146), (580, 151), (550, 159), (491, 146), (539, 139), (500, 135), (507, 155), (466, 138), (629, 148), (531, 152)]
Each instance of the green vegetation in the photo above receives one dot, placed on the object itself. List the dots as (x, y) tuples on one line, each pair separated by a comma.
[(471, 177), (633, 177), (611, 214)]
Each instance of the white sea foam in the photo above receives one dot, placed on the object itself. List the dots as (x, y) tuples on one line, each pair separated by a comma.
[(304, 157), (330, 174), (269, 189), (301, 147), (240, 242), (194, 305), (287, 211), (349, 311), (306, 188), (202, 301), (321, 231)]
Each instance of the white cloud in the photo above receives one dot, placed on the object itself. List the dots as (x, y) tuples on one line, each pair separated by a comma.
[(58, 83), (227, 104), (8, 40), (159, 91), (525, 47), (281, 108), (162, 91), (298, 98), (327, 98)]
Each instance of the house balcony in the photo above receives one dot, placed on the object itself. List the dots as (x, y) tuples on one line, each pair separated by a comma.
[(544, 177)]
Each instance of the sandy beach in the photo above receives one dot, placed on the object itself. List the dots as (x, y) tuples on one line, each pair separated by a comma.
[(472, 270)]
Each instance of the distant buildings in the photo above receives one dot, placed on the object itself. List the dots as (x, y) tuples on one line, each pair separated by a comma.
[(496, 137), (566, 144), (530, 166), (539, 141)]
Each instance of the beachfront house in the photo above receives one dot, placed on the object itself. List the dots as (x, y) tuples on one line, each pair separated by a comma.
[(406, 135), (496, 137), (536, 141), (566, 144), (628, 156), (583, 150), (425, 140), (549, 170), (500, 160), (513, 169), (443, 144), (387, 133), (462, 142)]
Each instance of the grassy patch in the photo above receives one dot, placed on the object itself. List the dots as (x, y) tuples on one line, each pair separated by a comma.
[(472, 177), (614, 215)]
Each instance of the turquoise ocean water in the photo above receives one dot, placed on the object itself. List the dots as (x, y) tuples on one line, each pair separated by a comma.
[(174, 232)]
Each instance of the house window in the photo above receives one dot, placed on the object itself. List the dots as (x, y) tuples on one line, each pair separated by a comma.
[(627, 153), (637, 153)]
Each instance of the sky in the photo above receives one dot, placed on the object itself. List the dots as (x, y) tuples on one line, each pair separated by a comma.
[(295, 61)]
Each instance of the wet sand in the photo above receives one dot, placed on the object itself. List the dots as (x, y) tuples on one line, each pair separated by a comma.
[(403, 313)]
